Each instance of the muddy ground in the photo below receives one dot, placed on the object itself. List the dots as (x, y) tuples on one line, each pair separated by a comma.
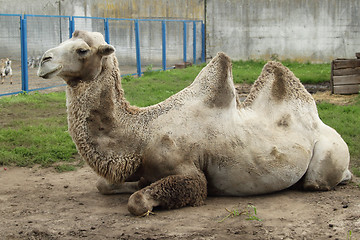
[(38, 203)]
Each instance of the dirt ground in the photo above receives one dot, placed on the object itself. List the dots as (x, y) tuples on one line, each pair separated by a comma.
[(40, 203)]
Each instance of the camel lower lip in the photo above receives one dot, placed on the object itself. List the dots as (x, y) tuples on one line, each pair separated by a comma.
[(51, 73)]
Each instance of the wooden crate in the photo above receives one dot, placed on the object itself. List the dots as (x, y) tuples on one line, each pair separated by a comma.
[(345, 76)]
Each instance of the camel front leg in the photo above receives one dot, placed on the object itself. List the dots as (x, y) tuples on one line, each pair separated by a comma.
[(107, 188), (174, 191)]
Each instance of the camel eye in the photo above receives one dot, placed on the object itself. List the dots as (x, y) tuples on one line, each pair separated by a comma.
[(82, 51)]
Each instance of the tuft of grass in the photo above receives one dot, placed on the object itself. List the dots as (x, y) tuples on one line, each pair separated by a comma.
[(65, 168), (128, 78), (250, 213)]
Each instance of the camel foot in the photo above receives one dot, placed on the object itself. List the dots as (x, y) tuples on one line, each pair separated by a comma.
[(141, 204)]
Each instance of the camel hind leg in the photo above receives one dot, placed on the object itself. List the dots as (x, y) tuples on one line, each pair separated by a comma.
[(329, 164)]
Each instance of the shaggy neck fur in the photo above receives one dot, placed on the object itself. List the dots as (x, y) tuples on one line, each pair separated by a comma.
[(94, 108)]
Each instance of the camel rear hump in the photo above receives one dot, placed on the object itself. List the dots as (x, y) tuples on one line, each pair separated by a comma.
[(277, 84)]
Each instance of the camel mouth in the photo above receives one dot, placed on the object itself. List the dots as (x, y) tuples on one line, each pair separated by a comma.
[(50, 73)]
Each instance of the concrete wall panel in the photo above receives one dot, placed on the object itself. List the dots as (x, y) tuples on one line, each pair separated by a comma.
[(303, 30)]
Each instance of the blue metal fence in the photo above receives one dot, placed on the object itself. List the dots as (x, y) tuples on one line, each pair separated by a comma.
[(163, 41)]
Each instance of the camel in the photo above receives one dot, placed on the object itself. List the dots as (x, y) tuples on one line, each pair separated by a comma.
[(202, 140)]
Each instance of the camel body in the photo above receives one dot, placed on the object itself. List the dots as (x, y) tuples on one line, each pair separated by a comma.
[(201, 140)]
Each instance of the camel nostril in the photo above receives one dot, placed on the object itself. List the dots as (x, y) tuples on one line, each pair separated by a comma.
[(45, 59)]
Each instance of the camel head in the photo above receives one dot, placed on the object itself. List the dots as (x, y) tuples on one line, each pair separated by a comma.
[(79, 58)]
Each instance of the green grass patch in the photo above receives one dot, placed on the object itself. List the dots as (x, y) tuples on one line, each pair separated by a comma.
[(154, 87), (34, 130), (249, 71), (356, 171)]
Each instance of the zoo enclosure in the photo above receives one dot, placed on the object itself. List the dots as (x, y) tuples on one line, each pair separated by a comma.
[(141, 44)]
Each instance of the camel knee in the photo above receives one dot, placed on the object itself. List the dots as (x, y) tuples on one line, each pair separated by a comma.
[(103, 187), (106, 188)]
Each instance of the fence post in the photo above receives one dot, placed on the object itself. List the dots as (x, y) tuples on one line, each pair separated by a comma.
[(194, 41), (184, 40), (137, 42), (163, 28), (24, 67), (106, 28), (202, 42), (71, 26)]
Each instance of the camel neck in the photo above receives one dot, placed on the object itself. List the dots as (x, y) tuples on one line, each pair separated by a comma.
[(100, 123)]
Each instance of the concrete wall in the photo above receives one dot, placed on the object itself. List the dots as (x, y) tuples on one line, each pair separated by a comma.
[(179, 9), (304, 30)]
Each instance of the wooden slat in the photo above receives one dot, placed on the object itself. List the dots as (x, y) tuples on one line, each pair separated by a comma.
[(332, 77), (346, 80), (346, 71), (346, 89), (346, 63)]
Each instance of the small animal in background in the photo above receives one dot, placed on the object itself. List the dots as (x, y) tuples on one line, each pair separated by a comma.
[(5, 69), (33, 62)]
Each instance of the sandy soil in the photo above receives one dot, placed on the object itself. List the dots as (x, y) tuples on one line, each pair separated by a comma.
[(37, 203)]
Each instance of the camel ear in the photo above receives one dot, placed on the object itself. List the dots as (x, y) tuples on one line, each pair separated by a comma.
[(105, 49)]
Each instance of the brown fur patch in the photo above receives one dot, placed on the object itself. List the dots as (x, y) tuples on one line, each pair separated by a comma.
[(278, 89), (285, 121)]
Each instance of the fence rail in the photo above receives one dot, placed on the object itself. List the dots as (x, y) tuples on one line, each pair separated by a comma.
[(140, 43)]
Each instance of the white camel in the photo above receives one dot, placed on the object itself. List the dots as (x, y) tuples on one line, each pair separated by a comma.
[(202, 139)]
